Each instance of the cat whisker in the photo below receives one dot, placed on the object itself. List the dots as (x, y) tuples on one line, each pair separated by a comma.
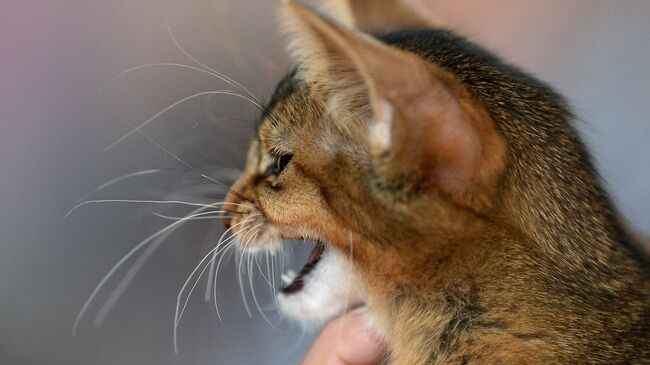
[(301, 338), (250, 281), (267, 62), (282, 270), (220, 242), (239, 269), (228, 243), (162, 216), (271, 279), (269, 308), (173, 105), (179, 312), (135, 268), (198, 193), (230, 240), (207, 290), (214, 72), (270, 265), (267, 277), (211, 275), (119, 264), (219, 214), (216, 273), (195, 170), (139, 201), (214, 284), (171, 64), (226, 40), (128, 176)]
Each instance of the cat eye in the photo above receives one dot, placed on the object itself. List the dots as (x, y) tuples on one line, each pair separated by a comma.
[(278, 165)]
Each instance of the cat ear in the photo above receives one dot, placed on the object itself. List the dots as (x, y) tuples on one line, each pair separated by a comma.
[(374, 16), (423, 125)]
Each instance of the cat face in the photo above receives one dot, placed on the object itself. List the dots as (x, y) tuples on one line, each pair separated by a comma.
[(293, 167), (365, 149)]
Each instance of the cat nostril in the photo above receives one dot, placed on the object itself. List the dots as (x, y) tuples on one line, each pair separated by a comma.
[(227, 221), (259, 178)]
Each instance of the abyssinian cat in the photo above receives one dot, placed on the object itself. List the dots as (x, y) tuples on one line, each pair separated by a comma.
[(448, 193)]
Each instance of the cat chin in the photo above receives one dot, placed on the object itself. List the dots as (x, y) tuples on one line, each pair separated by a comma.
[(329, 288)]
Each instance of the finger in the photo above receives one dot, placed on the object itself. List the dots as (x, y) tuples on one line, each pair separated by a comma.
[(346, 341)]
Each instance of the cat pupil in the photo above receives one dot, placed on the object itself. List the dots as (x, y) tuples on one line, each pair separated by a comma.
[(278, 166)]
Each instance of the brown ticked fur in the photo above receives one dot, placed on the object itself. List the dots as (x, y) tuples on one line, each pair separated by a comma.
[(500, 248)]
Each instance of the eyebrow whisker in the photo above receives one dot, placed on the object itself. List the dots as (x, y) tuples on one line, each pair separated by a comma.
[(173, 105), (216, 73), (180, 160)]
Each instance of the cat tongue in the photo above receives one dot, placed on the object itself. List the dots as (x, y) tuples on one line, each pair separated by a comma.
[(315, 254), (295, 284)]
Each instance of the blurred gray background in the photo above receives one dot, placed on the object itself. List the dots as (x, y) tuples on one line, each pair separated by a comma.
[(55, 123)]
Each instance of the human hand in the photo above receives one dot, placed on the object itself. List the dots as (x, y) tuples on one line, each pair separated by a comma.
[(346, 341)]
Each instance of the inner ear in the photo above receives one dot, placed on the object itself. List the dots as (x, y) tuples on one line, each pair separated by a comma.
[(352, 67)]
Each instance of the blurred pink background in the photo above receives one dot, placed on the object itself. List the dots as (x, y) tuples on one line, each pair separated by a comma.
[(54, 125)]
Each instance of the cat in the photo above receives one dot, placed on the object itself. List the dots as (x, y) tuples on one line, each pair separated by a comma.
[(449, 195)]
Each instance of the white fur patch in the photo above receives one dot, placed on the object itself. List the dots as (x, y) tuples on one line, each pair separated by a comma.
[(330, 289), (379, 132)]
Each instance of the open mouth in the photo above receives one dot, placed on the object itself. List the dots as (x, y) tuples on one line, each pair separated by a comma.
[(326, 286), (294, 282)]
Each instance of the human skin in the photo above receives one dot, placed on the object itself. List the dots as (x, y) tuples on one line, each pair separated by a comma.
[(346, 341)]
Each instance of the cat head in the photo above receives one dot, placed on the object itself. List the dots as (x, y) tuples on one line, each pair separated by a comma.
[(376, 153)]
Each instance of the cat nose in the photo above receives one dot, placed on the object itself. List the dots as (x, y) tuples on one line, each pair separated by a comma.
[(229, 208), (233, 200), (227, 221)]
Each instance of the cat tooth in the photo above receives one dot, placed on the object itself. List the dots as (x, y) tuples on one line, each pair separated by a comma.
[(289, 277), (286, 279)]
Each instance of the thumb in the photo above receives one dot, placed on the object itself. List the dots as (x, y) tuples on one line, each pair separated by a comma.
[(346, 341)]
